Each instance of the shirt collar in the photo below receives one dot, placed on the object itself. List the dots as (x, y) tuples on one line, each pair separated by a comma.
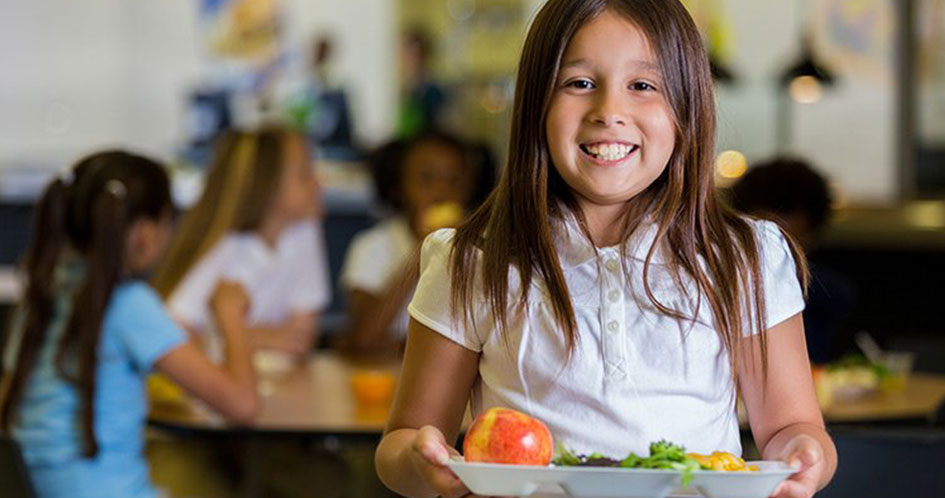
[(574, 248)]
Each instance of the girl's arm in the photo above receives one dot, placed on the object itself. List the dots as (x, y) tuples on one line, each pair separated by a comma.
[(784, 415), (230, 389), (297, 335), (426, 415), (373, 314)]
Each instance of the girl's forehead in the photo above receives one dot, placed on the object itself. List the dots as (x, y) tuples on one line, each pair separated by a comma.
[(609, 35)]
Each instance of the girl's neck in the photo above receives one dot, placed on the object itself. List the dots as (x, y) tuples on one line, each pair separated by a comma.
[(604, 222), (271, 228)]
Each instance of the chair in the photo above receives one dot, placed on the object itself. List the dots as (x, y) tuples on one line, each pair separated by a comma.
[(888, 462), (13, 474)]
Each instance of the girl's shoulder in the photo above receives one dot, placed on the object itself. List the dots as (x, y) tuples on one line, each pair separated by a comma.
[(772, 241), (136, 296)]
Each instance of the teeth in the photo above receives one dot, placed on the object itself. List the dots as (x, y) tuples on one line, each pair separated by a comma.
[(609, 151)]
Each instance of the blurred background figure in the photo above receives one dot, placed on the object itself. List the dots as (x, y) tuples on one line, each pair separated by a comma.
[(428, 182), (791, 193), (422, 99), (323, 108), (256, 223)]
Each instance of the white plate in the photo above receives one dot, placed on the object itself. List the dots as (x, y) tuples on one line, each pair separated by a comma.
[(610, 482)]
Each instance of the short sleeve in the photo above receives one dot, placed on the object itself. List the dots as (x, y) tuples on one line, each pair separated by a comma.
[(189, 302), (367, 265), (311, 289), (782, 290), (431, 301), (137, 321)]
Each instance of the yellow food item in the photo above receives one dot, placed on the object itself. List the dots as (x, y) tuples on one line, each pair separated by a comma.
[(447, 214), (162, 389), (722, 460)]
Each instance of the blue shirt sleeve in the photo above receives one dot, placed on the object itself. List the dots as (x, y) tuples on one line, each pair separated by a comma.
[(140, 325)]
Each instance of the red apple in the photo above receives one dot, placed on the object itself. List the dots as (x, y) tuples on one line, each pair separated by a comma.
[(501, 435)]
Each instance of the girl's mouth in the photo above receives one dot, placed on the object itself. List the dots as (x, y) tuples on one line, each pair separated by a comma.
[(608, 152)]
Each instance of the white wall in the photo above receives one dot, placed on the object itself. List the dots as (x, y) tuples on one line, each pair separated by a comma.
[(80, 75), (849, 134)]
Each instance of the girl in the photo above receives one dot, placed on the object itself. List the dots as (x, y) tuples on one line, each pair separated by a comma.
[(420, 179), (255, 224), (89, 330), (602, 288)]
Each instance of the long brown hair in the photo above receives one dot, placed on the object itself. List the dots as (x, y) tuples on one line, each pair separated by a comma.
[(90, 216), (240, 188), (514, 226)]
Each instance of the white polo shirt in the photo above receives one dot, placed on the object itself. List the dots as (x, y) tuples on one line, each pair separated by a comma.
[(375, 257), (636, 375), (291, 277)]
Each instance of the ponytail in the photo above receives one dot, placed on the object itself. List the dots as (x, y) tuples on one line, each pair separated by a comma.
[(104, 262), (91, 216), (48, 237)]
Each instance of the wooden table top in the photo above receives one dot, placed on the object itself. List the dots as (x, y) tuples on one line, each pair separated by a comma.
[(922, 395), (314, 398), (317, 398)]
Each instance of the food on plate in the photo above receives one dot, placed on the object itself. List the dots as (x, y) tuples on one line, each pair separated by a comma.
[(663, 455), (722, 460), (501, 435)]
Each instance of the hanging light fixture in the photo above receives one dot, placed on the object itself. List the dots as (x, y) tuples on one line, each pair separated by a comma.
[(803, 81), (805, 78)]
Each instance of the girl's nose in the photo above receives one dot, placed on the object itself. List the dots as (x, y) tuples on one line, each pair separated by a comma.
[(608, 110)]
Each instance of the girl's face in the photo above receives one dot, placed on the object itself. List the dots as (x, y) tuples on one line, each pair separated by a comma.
[(610, 128), (145, 243), (298, 194), (434, 173)]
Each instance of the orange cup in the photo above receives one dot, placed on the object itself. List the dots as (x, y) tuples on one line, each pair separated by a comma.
[(373, 387)]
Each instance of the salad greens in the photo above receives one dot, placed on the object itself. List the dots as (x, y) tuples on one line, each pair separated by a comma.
[(663, 455)]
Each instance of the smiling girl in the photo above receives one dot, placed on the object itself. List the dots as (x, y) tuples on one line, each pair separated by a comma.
[(603, 288)]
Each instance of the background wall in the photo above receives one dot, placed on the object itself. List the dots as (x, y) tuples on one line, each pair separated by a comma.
[(80, 75)]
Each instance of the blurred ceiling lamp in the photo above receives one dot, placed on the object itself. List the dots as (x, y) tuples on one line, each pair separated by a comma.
[(805, 78), (804, 82)]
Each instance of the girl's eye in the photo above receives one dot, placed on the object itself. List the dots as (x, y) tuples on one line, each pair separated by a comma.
[(642, 86), (580, 84)]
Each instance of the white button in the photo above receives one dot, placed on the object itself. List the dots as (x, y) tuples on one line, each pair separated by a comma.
[(613, 325), (612, 265), (613, 296)]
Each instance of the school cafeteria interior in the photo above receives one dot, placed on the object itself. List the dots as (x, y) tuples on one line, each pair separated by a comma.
[(309, 147)]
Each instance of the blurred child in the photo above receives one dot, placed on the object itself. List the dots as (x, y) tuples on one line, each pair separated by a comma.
[(255, 224), (794, 195), (603, 288), (89, 329), (430, 182)]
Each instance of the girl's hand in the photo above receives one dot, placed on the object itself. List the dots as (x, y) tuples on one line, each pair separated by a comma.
[(806, 454), (229, 303), (429, 455)]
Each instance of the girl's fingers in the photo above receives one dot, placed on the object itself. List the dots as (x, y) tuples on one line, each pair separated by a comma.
[(793, 489), (432, 456), (431, 444)]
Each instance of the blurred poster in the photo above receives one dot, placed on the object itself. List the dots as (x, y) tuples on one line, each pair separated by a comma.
[(242, 41), (856, 35)]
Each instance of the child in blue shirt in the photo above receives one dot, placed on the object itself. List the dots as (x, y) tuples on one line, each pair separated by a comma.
[(89, 330)]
